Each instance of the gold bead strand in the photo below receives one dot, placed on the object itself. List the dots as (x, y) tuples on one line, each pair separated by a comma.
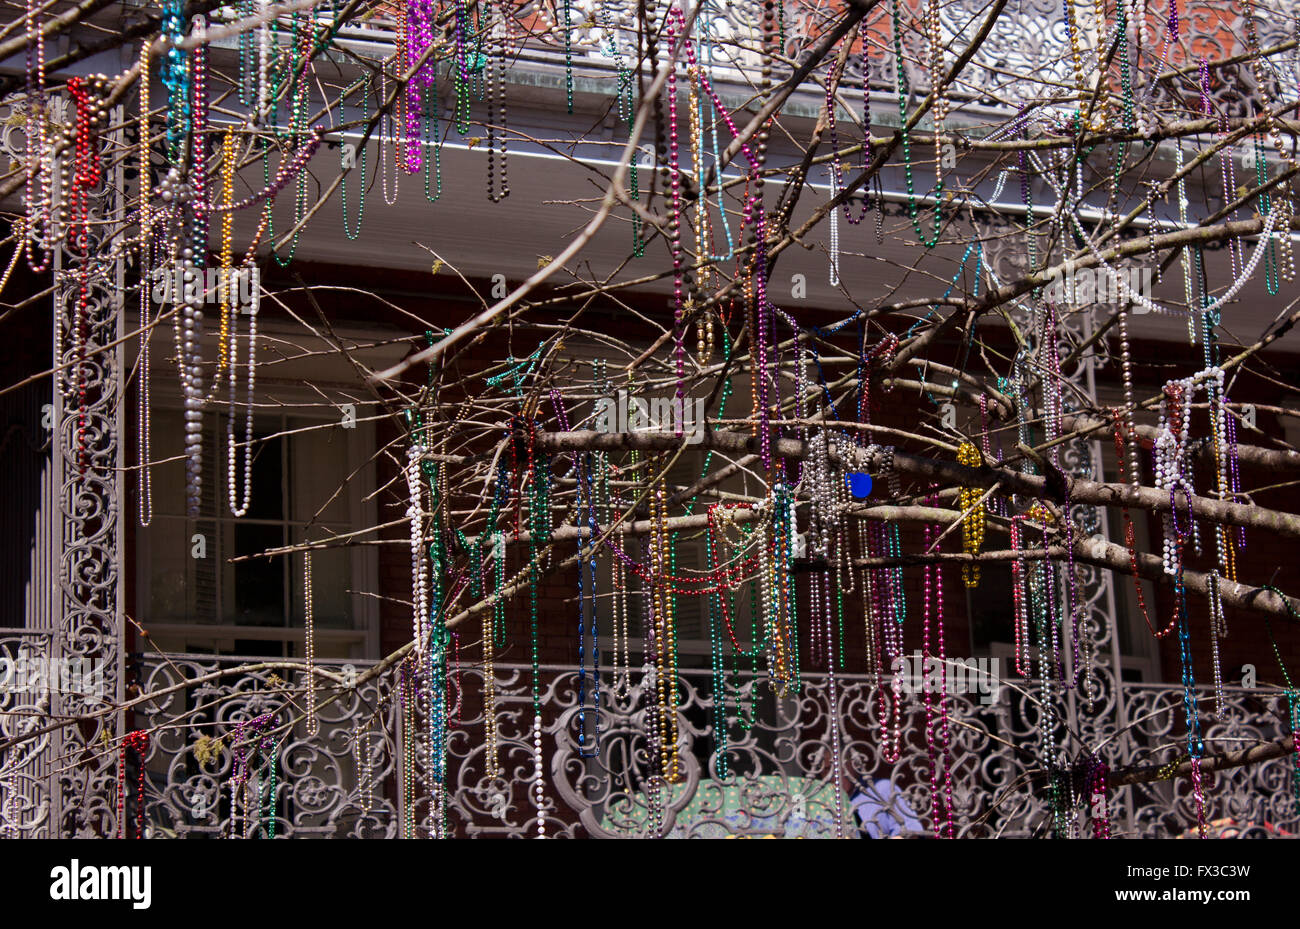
[(1103, 108), (227, 239), (145, 220), (972, 525), (309, 650), (670, 624), (491, 766), (935, 30), (661, 633)]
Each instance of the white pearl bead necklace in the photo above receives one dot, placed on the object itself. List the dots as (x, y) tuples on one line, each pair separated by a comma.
[(419, 569), (231, 453)]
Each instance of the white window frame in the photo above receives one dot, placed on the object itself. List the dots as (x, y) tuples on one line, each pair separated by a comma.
[(300, 403)]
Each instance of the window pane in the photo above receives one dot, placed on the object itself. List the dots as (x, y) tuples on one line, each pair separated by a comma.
[(169, 577), (268, 473), (331, 580), (257, 597), (311, 467), (319, 462), (167, 441)]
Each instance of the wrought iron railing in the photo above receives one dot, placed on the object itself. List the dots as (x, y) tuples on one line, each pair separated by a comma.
[(1029, 45), (780, 777)]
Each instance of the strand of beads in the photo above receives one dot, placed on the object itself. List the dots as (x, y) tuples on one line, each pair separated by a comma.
[(139, 742), (435, 695), (674, 30), (1167, 462), (144, 476), (1234, 475), (971, 501), (674, 229), (239, 776), (1291, 691), (402, 66), (890, 710), (717, 605), (666, 637), (491, 761), (188, 330), (492, 765), (1195, 745), (627, 113), (622, 655), (586, 512), (1293, 714), (309, 644), (91, 113), (785, 534), (651, 678), (1099, 797), (702, 269), (1173, 456), (938, 744), (176, 77), (1047, 645), (144, 479), (194, 258), (539, 519), (434, 136), (288, 171), (226, 252), (538, 786), (20, 249), (387, 130), (1218, 630), (363, 759), (247, 89), (263, 91), (297, 130), (39, 156), (834, 247), (833, 703), (419, 36), (1129, 535), (348, 161), (1279, 141), (885, 634), (460, 67), (1214, 386), (435, 665), (836, 169), (419, 569), (1019, 598), (241, 508), (913, 208), (934, 30), (1213, 380), (272, 750), (407, 738), (1126, 369), (228, 341), (497, 127)]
